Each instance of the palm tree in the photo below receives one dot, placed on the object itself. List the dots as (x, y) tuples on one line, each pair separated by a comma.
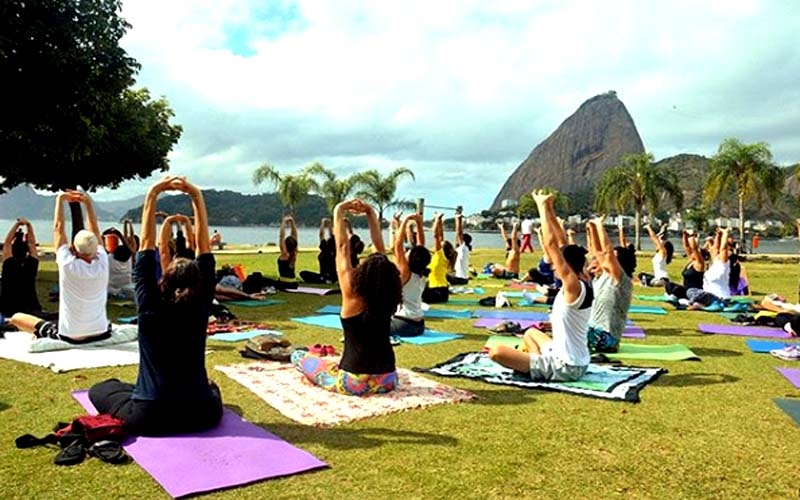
[(291, 188), (380, 190), (637, 182), (332, 188), (748, 168)]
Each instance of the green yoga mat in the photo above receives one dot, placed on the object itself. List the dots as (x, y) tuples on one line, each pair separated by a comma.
[(253, 303), (791, 407), (506, 340), (653, 298), (671, 352), (464, 302)]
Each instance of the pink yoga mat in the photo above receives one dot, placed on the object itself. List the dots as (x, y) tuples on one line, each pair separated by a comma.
[(747, 331), (314, 290), (237, 452), (792, 375)]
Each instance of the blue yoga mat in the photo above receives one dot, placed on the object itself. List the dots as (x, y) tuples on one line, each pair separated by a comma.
[(127, 320), (430, 313), (253, 303), (765, 345), (647, 309), (791, 407), (237, 336), (331, 321)]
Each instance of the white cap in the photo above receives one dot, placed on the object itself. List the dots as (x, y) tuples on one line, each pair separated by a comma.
[(85, 243)]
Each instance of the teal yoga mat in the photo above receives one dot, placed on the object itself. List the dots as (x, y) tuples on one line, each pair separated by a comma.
[(333, 321), (253, 303), (791, 407), (647, 309), (430, 313)]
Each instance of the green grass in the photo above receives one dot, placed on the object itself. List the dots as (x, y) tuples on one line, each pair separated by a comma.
[(706, 429)]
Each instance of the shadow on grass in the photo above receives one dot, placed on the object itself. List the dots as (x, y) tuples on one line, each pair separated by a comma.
[(671, 332), (348, 438), (709, 351), (509, 396), (4, 406), (690, 379)]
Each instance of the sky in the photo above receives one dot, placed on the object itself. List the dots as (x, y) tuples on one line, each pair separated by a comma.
[(460, 91)]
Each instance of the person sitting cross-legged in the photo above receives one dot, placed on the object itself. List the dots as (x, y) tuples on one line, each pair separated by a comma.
[(172, 394), (370, 295), (20, 268), (82, 282), (564, 356)]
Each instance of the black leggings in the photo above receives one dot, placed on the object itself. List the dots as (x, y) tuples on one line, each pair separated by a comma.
[(316, 278), (155, 418), (436, 295)]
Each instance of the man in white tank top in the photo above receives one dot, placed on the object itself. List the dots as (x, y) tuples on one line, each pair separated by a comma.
[(564, 356)]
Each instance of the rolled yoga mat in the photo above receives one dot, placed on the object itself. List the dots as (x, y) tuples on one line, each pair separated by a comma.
[(236, 452), (747, 331)]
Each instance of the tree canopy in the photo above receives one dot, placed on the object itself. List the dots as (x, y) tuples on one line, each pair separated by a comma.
[(70, 117)]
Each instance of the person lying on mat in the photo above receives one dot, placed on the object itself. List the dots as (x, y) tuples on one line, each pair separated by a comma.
[(82, 281), (20, 268), (661, 258), (326, 257), (716, 290), (694, 270), (511, 268), (370, 294), (408, 320), (564, 356), (612, 286), (172, 394)]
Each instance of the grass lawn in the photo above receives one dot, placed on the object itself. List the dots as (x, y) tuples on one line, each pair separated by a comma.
[(706, 429)]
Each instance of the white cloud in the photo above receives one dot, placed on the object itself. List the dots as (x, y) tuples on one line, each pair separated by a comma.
[(458, 91)]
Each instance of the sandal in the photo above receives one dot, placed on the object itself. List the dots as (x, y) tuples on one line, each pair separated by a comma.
[(72, 454), (110, 452)]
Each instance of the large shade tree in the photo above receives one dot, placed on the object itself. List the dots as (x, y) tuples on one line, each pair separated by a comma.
[(638, 184), (291, 188), (70, 117), (332, 188), (749, 169), (380, 190)]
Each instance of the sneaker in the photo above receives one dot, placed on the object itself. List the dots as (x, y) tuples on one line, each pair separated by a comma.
[(789, 353)]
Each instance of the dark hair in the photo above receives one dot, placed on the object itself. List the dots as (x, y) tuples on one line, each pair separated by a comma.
[(291, 244), (356, 244), (180, 281), (735, 273), (19, 248), (575, 256), (449, 253), (377, 281), (626, 259), (418, 259), (705, 254), (467, 240), (670, 249)]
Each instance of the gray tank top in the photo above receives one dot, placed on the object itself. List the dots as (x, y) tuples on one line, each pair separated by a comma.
[(611, 303)]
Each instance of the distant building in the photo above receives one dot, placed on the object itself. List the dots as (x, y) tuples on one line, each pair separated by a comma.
[(508, 203)]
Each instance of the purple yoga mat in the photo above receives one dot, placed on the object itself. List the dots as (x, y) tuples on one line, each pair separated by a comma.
[(792, 375), (633, 332), (747, 331), (235, 453), (512, 315)]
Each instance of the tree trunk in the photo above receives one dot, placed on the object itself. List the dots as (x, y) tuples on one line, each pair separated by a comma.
[(636, 226), (742, 242)]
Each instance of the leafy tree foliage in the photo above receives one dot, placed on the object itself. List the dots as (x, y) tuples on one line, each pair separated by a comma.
[(69, 117), (380, 190), (637, 183), (749, 169), (292, 189), (332, 188)]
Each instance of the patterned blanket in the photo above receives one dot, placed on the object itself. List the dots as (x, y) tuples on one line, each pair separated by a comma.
[(600, 381), (287, 390)]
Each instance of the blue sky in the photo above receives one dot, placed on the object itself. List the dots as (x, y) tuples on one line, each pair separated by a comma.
[(458, 91)]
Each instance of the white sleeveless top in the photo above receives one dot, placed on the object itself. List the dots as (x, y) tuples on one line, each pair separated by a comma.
[(411, 308), (660, 266), (715, 279), (570, 323)]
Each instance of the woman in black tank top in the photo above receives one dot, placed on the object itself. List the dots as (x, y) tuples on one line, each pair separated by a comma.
[(370, 295)]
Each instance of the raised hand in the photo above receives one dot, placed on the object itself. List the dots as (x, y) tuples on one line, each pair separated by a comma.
[(542, 198)]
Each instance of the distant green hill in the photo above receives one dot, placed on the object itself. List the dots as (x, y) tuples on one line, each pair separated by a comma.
[(229, 208)]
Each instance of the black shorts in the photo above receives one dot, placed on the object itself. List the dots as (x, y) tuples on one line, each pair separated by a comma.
[(49, 330)]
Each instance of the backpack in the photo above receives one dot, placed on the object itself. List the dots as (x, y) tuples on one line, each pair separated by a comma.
[(92, 428)]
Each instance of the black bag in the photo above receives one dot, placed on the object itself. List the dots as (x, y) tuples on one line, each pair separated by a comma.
[(254, 283)]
